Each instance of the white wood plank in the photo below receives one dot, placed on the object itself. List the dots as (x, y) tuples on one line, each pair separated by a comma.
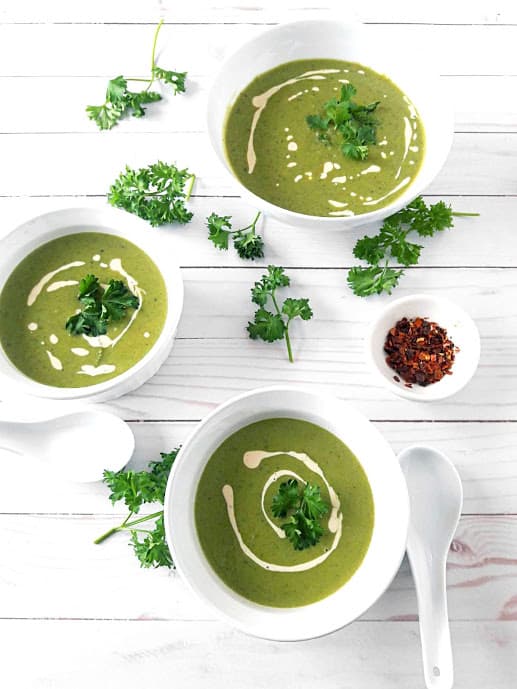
[(465, 245), (483, 453), (481, 103), (86, 164), (201, 655), (200, 48), (218, 305), (482, 566), (203, 373), (127, 11), (200, 373)]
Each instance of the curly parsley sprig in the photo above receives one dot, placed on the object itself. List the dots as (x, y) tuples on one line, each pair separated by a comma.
[(304, 510), (392, 243), (247, 242), (270, 326), (156, 193), (120, 101), (136, 488), (346, 123), (101, 306)]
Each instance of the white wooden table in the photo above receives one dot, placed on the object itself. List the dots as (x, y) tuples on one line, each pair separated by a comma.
[(75, 615)]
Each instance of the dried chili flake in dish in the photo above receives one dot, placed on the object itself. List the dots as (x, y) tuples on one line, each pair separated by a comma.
[(419, 351)]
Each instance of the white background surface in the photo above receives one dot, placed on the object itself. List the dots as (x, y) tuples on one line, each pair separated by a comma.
[(75, 615)]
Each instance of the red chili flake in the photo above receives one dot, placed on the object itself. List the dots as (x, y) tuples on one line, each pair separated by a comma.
[(419, 351)]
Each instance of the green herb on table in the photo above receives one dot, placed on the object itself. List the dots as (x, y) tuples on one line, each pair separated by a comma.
[(156, 193), (101, 306), (347, 124), (392, 242), (304, 508), (274, 325), (247, 242), (120, 101), (136, 488)]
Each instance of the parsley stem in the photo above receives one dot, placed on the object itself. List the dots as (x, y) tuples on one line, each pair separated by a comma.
[(126, 525), (465, 215), (107, 534), (275, 302), (288, 343), (286, 332), (251, 226), (192, 179), (153, 53)]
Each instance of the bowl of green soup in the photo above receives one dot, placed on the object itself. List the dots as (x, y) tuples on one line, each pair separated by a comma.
[(89, 304), (328, 125), (287, 512)]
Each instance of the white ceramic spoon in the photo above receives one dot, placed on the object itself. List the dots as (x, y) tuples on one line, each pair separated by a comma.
[(436, 498), (77, 446)]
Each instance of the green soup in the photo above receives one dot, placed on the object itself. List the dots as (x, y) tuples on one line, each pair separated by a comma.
[(241, 538), (41, 293), (275, 154)]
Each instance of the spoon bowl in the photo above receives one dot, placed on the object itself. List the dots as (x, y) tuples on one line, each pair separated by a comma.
[(436, 497), (69, 445)]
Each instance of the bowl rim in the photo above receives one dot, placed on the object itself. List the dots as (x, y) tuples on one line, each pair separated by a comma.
[(46, 227), (278, 632), (332, 223), (430, 393)]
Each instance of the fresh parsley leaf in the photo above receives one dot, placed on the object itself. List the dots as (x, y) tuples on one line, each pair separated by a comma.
[(133, 487), (117, 299), (247, 243), (152, 550), (136, 488), (346, 123), (269, 326), (85, 323), (217, 233), (135, 101), (391, 241), (275, 278), (120, 101), (370, 249), (301, 531), (100, 306), (156, 193), (372, 280), (293, 308), (304, 509), (107, 115), (89, 288), (313, 505), (266, 326), (286, 499), (174, 79)]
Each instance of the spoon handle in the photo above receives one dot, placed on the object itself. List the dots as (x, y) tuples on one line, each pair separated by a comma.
[(429, 576)]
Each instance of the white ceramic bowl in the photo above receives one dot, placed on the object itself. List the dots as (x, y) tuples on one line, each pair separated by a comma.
[(388, 542), (460, 328), (339, 40), (32, 234)]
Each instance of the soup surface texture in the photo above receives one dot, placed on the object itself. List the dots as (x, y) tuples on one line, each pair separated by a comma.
[(41, 294), (252, 555), (275, 154)]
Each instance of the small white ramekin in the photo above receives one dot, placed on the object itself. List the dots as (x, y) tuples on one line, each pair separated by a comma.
[(32, 234), (412, 73), (460, 328)]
